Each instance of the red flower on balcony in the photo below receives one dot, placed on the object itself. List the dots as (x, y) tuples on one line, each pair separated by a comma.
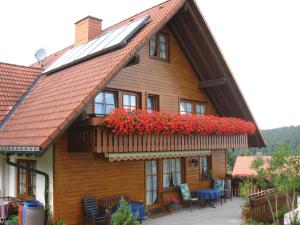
[(143, 122)]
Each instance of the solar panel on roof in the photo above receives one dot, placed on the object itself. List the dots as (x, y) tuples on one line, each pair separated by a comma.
[(107, 41)]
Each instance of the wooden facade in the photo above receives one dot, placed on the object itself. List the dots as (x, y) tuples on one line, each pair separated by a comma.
[(89, 173), (171, 81), (86, 174)]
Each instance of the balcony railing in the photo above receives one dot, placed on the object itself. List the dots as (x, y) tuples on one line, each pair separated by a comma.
[(101, 140)]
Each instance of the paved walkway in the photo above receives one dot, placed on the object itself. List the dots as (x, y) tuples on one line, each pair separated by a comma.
[(227, 214)]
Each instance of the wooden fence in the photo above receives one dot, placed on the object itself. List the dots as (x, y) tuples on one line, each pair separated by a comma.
[(235, 187), (260, 207), (236, 190)]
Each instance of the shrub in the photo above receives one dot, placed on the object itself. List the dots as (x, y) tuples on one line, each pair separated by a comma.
[(253, 222), (13, 220), (123, 215), (60, 222)]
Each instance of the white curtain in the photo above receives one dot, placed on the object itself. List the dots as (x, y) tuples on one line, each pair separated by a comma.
[(166, 172), (151, 182), (148, 183), (176, 171), (154, 188), (171, 171)]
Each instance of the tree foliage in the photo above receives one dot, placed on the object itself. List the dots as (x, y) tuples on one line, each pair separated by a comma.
[(274, 139), (283, 173)]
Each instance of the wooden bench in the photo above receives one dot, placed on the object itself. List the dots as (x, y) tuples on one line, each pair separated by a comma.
[(112, 201)]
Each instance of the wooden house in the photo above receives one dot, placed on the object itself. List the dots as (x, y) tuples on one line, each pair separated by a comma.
[(163, 59)]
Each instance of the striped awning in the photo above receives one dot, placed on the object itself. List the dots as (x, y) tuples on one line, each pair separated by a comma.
[(154, 155)]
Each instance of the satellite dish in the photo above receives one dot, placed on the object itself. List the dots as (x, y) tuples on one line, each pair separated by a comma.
[(40, 55)]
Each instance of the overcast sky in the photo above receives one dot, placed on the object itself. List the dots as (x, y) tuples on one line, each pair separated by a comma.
[(260, 40)]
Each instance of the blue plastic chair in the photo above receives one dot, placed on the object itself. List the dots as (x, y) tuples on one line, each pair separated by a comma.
[(219, 186)]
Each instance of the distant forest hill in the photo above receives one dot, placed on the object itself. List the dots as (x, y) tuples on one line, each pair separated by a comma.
[(275, 138)]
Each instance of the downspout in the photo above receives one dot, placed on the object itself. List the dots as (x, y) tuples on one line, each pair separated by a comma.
[(47, 208), (3, 179)]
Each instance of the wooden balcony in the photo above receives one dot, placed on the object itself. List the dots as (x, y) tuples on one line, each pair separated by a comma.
[(101, 140)]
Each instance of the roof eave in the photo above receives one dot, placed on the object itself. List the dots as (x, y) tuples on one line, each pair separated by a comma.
[(189, 20), (20, 149)]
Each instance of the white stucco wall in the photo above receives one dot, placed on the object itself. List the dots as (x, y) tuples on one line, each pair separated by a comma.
[(43, 163), (10, 179), (1, 177)]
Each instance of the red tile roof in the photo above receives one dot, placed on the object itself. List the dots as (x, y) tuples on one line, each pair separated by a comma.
[(14, 81), (58, 99), (242, 166)]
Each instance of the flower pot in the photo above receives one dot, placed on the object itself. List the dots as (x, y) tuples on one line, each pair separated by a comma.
[(172, 210)]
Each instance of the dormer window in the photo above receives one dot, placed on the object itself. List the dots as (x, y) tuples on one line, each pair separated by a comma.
[(159, 46), (105, 102)]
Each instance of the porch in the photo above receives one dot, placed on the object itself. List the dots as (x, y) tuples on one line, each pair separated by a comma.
[(227, 214)]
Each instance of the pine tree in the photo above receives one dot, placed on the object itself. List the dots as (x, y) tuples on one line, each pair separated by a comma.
[(123, 215)]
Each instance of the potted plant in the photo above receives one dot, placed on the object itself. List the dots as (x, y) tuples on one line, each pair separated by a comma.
[(172, 204), (244, 193), (60, 222), (207, 175)]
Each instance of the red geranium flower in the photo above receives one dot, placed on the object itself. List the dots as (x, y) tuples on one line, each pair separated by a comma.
[(143, 122)]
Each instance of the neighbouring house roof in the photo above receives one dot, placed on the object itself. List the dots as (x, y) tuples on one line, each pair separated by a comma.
[(14, 81), (242, 166), (56, 100)]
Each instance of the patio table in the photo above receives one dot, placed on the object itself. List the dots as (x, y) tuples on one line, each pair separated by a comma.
[(208, 195), (4, 210)]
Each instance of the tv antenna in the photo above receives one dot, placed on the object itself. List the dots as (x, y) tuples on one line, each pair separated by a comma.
[(40, 55)]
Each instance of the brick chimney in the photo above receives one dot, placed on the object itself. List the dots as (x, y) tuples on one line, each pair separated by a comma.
[(87, 29)]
